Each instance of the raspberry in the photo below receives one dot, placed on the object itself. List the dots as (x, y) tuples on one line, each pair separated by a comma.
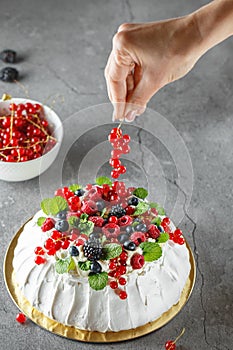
[(138, 237), (89, 207), (48, 225), (125, 220), (97, 220), (111, 230), (153, 231), (74, 203), (137, 261), (81, 240)]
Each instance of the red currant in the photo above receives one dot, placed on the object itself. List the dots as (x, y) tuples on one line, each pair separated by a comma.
[(121, 169), (123, 256), (113, 219), (65, 244), (39, 251), (113, 285), (39, 260), (178, 232), (114, 162), (112, 266), (123, 295), (122, 281), (21, 318), (115, 174), (170, 345), (126, 138)]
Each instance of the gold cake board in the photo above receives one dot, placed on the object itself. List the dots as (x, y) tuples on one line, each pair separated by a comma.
[(88, 336)]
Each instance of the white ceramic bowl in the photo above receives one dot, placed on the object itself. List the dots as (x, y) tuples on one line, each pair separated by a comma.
[(21, 171)]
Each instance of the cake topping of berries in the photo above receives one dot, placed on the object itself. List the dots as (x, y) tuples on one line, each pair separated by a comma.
[(104, 231)]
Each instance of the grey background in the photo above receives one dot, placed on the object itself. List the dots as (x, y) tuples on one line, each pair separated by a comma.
[(63, 48)]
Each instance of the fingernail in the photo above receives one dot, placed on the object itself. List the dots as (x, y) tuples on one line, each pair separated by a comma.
[(130, 116)]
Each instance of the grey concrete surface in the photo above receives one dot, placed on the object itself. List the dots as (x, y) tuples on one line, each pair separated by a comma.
[(63, 48)]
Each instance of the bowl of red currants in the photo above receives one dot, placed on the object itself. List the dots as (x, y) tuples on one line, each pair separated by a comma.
[(30, 138)]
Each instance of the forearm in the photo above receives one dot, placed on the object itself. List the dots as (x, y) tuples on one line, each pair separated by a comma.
[(214, 23)]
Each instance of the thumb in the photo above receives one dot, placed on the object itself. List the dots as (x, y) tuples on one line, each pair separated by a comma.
[(138, 98)]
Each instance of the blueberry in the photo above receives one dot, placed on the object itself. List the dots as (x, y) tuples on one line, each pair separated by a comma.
[(100, 205), (8, 56), (122, 238), (9, 74), (61, 225), (133, 201), (129, 229), (94, 236), (141, 228), (138, 220), (96, 267), (160, 228), (129, 245), (62, 215), (73, 251), (79, 192)]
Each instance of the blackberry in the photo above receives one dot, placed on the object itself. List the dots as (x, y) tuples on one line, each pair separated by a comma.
[(8, 56), (9, 74), (117, 211), (92, 249)]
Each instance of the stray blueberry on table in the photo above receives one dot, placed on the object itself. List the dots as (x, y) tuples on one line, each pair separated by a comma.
[(9, 74), (8, 56)]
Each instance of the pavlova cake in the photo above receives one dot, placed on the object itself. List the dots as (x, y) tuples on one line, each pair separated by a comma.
[(101, 258)]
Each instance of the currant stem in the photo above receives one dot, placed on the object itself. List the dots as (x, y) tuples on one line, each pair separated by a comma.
[(179, 336)]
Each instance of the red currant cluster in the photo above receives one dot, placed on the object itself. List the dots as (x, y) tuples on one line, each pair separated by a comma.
[(117, 268), (120, 144), (176, 236), (25, 133)]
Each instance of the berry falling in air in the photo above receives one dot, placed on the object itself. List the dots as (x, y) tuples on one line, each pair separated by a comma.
[(21, 318)]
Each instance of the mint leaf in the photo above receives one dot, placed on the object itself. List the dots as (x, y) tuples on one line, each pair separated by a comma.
[(151, 251), (141, 208), (45, 205), (103, 180), (160, 209), (57, 204), (140, 192), (53, 205), (72, 265), (84, 265), (157, 221), (111, 251), (64, 265), (86, 227), (98, 281), (73, 221), (84, 217), (74, 187), (41, 220), (164, 237)]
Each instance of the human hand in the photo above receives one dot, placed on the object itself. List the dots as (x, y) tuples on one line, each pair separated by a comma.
[(144, 58)]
